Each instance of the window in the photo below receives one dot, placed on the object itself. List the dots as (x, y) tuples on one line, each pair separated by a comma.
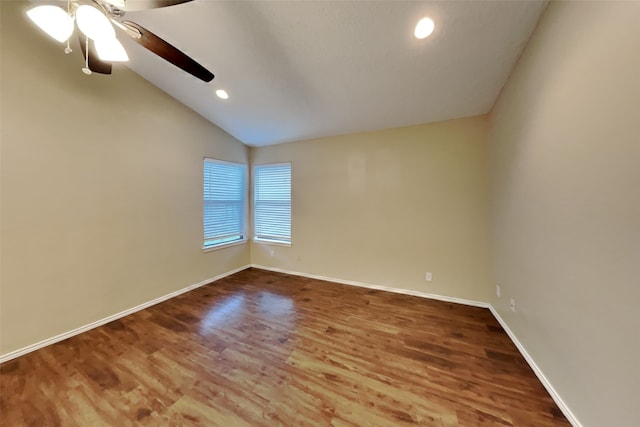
[(272, 203), (224, 214)]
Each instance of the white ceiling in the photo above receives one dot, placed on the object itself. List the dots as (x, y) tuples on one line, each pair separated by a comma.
[(303, 69)]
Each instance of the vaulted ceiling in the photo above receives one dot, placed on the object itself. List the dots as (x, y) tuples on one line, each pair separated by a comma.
[(304, 69)]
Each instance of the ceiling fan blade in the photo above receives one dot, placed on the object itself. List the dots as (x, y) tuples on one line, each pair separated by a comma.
[(170, 53), (95, 64), (132, 5)]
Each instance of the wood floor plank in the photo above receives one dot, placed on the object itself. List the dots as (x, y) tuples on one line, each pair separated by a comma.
[(260, 348)]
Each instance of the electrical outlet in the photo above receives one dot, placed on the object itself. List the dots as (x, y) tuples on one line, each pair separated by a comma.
[(428, 277), (513, 305), (498, 291)]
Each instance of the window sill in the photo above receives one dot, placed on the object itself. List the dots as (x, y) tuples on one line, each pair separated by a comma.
[(223, 246), (271, 242)]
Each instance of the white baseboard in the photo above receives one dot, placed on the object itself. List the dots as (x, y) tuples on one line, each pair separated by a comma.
[(33, 347), (536, 369), (377, 287)]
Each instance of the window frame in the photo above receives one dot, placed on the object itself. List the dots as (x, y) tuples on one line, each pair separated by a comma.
[(263, 240), (245, 205)]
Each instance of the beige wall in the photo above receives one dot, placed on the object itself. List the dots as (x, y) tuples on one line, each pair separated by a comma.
[(565, 162), (385, 207), (101, 190)]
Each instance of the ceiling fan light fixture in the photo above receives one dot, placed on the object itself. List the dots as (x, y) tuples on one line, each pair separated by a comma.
[(222, 94), (94, 24), (53, 20), (424, 28), (111, 50)]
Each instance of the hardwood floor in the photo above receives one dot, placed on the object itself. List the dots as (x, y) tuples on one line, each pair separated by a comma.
[(269, 349)]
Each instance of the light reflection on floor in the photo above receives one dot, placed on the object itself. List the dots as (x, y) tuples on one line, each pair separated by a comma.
[(274, 304), (227, 310), (237, 307)]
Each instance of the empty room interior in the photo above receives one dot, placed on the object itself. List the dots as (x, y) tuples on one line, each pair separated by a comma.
[(320, 213)]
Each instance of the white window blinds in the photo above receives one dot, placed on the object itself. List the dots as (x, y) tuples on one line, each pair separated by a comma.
[(272, 202), (224, 202)]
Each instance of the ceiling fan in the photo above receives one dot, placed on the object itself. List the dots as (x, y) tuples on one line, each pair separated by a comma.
[(96, 21)]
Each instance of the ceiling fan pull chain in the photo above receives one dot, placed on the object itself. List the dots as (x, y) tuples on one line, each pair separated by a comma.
[(86, 68), (68, 49)]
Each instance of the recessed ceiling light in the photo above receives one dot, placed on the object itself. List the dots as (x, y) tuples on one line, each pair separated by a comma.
[(424, 28), (222, 94)]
